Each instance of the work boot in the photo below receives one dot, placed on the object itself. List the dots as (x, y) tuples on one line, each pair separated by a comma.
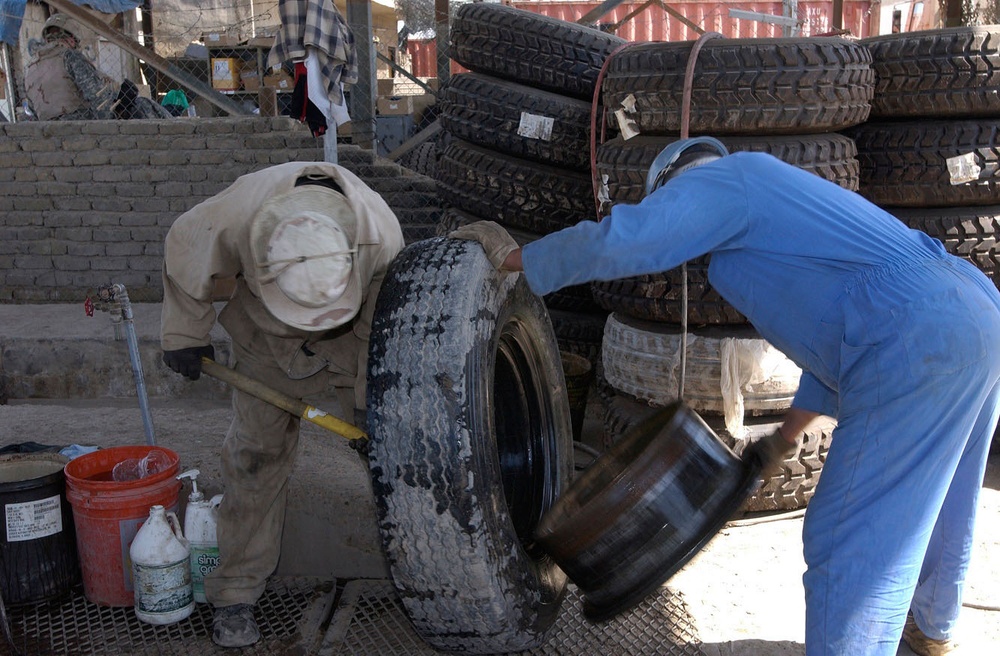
[(921, 644), (234, 626)]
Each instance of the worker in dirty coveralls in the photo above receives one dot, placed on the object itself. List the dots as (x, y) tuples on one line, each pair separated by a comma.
[(308, 245), (62, 83), (895, 338)]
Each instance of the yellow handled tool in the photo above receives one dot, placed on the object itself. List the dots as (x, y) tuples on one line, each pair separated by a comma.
[(295, 406)]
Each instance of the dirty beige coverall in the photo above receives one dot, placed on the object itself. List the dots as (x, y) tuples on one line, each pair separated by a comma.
[(211, 242)]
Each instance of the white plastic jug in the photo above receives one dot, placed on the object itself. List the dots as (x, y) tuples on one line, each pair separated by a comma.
[(200, 526), (161, 570)]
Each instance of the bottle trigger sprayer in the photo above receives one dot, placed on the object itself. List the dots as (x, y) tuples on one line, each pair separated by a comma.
[(200, 521)]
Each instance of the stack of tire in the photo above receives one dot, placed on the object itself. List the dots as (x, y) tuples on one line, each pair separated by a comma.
[(931, 153), (787, 97), (516, 138)]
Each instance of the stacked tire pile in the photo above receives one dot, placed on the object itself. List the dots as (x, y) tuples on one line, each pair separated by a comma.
[(930, 154), (516, 138), (787, 97)]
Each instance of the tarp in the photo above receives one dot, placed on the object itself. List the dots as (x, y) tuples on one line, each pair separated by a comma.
[(12, 13)]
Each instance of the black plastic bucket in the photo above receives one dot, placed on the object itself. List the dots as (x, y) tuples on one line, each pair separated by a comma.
[(38, 558), (644, 509)]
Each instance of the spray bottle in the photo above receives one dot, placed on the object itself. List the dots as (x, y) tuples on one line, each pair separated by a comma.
[(160, 570), (200, 522)]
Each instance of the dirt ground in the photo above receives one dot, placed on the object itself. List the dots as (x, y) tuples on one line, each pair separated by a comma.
[(743, 591)]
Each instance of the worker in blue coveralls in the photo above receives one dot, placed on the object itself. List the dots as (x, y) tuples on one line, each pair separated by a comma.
[(895, 339)]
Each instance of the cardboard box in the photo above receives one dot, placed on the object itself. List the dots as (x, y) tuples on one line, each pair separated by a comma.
[(225, 73), (421, 103), (261, 41), (281, 81), (220, 39), (395, 106), (250, 77), (384, 87)]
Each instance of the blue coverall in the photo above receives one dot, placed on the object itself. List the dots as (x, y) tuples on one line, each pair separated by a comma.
[(895, 338)]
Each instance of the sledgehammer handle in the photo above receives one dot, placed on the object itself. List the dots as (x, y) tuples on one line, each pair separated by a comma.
[(295, 406)]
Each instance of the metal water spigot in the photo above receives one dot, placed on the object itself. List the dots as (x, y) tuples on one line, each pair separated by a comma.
[(114, 299)]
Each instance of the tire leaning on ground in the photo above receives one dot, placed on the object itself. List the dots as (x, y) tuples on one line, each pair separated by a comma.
[(743, 86), (470, 444)]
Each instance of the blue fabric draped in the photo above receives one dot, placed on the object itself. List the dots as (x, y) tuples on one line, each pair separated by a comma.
[(12, 13)]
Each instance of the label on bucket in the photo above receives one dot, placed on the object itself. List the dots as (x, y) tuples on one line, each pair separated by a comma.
[(34, 519)]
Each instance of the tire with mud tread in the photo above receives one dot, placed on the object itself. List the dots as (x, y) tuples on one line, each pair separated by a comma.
[(625, 162), (517, 120), (743, 86), (789, 489), (659, 297), (514, 192), (529, 48), (906, 163), (949, 72), (971, 233), (642, 359), (470, 443)]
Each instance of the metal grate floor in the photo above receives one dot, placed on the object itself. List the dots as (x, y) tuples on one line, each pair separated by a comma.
[(370, 620), (290, 615), (297, 617)]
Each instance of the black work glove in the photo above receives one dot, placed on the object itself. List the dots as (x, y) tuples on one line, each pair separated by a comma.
[(187, 361), (768, 453)]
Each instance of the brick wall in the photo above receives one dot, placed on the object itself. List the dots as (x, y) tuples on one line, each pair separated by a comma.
[(87, 203)]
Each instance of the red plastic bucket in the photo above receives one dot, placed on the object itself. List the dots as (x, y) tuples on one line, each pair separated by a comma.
[(107, 515)]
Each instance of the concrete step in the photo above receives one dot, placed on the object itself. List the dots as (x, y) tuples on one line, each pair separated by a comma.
[(56, 351)]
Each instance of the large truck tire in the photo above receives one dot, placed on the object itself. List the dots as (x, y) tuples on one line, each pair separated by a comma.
[(659, 297), (529, 48), (470, 443), (574, 298), (515, 192), (643, 359), (949, 72), (517, 120), (742, 86), (971, 233), (929, 163), (625, 162)]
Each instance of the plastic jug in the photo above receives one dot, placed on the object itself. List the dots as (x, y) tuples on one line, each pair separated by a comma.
[(200, 522), (161, 570)]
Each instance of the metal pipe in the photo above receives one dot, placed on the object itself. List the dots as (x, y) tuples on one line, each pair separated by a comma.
[(118, 293)]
